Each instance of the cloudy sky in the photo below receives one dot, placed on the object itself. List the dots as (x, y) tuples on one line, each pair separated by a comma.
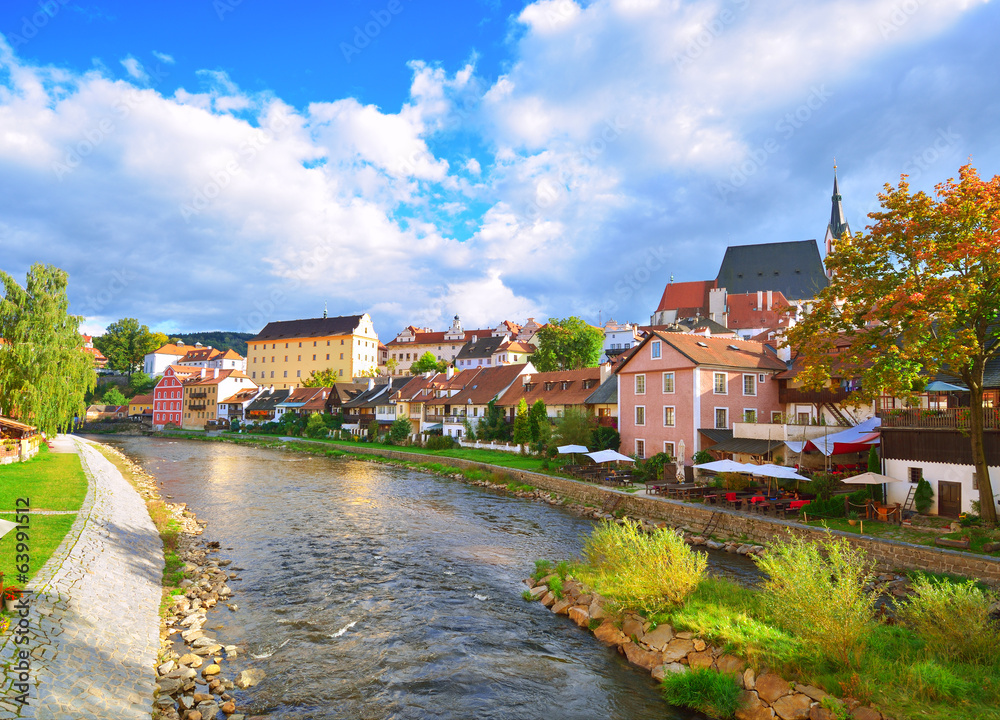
[(218, 164)]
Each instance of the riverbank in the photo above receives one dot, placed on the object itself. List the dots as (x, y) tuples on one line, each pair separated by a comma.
[(190, 682)]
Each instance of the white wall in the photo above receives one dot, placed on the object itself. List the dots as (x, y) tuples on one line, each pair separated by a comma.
[(935, 473)]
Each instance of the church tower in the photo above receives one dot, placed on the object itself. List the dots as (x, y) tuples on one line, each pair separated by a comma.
[(838, 227)]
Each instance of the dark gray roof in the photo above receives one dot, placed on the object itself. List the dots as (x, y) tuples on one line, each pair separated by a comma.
[(312, 327), (794, 268), (605, 394), (699, 323), (378, 395), (749, 446), (481, 348), (269, 401), (716, 435)]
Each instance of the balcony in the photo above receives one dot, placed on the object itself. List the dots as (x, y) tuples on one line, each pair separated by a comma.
[(198, 394), (949, 419), (197, 406), (812, 397)]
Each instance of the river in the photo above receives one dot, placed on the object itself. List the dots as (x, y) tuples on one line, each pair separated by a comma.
[(369, 591)]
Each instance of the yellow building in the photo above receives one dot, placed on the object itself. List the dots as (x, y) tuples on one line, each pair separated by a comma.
[(140, 405), (284, 354), (203, 391)]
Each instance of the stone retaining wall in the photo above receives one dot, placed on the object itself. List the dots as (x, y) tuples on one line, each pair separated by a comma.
[(888, 554)]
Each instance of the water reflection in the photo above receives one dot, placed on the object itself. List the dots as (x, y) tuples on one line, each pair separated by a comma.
[(377, 592)]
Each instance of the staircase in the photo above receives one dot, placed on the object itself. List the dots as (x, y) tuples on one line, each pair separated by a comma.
[(611, 504), (842, 419)]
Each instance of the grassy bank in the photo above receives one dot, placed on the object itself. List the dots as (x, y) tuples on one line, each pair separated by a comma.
[(50, 481), (812, 622)]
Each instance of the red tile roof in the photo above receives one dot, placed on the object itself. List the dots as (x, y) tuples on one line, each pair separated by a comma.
[(745, 312), (480, 385), (686, 297), (430, 338), (721, 352), (548, 387)]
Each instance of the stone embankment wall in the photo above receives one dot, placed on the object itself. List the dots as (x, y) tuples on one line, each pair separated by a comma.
[(661, 652), (888, 554)]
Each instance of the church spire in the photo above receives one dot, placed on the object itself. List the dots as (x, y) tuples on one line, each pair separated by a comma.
[(838, 227)]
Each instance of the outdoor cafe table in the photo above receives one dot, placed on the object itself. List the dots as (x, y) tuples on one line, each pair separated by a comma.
[(684, 491)]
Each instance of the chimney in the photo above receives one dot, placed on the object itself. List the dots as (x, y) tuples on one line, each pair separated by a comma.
[(215, 372), (371, 383), (760, 299), (770, 298), (450, 372)]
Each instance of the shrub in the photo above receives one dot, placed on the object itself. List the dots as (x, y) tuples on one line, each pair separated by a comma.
[(315, 427), (634, 569), (556, 587), (440, 442), (923, 496), (701, 457), (399, 430), (953, 618), (735, 481), (823, 485), (542, 568), (704, 690), (816, 589), (834, 507), (605, 438)]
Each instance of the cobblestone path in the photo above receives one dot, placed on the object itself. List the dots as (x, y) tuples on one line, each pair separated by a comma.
[(93, 625)]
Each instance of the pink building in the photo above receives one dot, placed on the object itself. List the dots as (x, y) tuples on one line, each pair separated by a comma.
[(675, 384), (168, 395)]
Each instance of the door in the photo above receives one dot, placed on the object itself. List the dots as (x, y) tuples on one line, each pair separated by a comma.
[(949, 499)]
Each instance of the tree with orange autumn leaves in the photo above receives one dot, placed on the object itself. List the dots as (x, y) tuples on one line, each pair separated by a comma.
[(917, 292)]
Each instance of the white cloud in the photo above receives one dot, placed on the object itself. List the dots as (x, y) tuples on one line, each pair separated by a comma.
[(163, 57), (134, 68)]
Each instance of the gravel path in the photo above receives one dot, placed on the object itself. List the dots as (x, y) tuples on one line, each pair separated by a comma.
[(93, 624)]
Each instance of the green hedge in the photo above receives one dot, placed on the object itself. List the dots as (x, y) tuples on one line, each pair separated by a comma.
[(834, 507)]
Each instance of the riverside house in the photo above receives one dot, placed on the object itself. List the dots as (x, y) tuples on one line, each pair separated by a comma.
[(478, 388), (559, 390), (204, 391), (675, 384)]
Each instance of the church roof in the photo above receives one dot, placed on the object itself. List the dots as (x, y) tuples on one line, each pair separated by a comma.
[(838, 225), (792, 268)]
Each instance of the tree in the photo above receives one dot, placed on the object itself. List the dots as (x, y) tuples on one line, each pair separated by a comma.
[(568, 344), (315, 427), (605, 438), (322, 378), (114, 396), (537, 418), (522, 424), (493, 426), (126, 343), (140, 383), (399, 430), (917, 293), (428, 363), (575, 427), (44, 371), (391, 365)]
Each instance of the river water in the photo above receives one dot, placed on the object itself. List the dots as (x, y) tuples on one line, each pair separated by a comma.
[(369, 591)]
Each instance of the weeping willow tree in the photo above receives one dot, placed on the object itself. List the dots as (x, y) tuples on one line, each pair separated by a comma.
[(44, 371)]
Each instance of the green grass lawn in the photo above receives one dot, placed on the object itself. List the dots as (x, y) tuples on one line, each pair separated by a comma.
[(44, 535), (50, 481)]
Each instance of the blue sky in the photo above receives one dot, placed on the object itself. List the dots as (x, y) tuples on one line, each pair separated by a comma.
[(217, 164)]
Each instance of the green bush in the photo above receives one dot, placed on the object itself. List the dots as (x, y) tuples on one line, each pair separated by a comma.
[(605, 438), (701, 457), (440, 442), (953, 618), (399, 430), (645, 571), (923, 496), (823, 485), (816, 590), (556, 587), (315, 427), (834, 507), (705, 690)]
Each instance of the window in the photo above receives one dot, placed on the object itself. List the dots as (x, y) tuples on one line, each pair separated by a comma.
[(272, 373), (341, 373), (655, 349), (314, 356), (342, 356), (640, 448), (640, 384), (761, 378), (299, 358), (749, 415), (300, 344), (328, 356), (668, 382), (802, 418), (341, 342), (298, 373), (775, 416), (286, 358), (328, 343), (286, 346), (640, 415), (916, 474), (721, 418), (668, 416), (720, 383), (749, 385), (314, 343), (668, 448), (255, 361)]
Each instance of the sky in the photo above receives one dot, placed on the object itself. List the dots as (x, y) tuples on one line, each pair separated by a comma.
[(221, 164)]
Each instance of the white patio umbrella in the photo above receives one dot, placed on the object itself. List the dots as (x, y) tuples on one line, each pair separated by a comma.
[(572, 450), (869, 478), (603, 456), (778, 471), (726, 466), (680, 461)]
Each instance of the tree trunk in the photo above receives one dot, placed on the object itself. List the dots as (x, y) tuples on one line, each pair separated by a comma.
[(987, 503)]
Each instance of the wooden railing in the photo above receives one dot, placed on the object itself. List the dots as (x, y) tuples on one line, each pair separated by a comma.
[(796, 395), (950, 419)]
